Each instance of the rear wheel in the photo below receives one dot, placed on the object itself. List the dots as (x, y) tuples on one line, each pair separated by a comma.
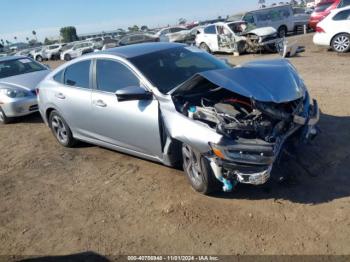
[(3, 118), (341, 43), (198, 171), (67, 57), (204, 47), (61, 130)]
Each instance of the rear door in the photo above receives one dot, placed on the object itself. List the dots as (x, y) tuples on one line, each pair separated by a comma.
[(211, 38), (72, 97), (133, 125)]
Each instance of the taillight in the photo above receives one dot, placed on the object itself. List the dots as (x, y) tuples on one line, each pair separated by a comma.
[(37, 91), (320, 30)]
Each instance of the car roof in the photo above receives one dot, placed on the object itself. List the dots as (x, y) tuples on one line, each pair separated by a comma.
[(13, 57), (132, 51)]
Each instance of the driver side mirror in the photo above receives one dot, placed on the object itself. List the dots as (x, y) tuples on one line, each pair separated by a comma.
[(132, 93)]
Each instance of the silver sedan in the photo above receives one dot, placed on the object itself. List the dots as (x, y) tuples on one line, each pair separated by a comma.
[(174, 104), (19, 77)]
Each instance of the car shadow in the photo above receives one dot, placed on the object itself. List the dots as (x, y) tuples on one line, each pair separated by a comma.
[(34, 118), (80, 257), (318, 174)]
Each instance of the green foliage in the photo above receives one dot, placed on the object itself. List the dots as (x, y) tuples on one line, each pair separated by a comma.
[(135, 28), (144, 28), (69, 34)]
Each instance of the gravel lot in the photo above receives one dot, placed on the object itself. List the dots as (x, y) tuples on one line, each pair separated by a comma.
[(61, 201)]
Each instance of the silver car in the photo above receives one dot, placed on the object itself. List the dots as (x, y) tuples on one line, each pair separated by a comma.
[(174, 104), (19, 77)]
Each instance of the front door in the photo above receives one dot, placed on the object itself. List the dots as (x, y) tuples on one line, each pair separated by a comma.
[(132, 125)]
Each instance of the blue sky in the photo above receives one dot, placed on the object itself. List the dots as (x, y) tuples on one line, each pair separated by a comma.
[(20, 17)]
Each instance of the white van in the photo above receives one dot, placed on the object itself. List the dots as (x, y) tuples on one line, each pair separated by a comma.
[(280, 17)]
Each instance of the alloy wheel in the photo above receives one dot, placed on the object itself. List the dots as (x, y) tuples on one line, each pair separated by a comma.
[(59, 129), (341, 43), (192, 164), (2, 116)]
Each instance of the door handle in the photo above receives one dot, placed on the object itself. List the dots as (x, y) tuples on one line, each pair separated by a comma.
[(60, 96), (100, 103)]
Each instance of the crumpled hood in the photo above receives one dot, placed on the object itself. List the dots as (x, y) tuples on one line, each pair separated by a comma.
[(26, 81), (266, 81), (263, 31)]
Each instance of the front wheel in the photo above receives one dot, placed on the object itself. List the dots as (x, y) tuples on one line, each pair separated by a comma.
[(39, 58), (61, 130), (198, 171), (3, 118), (341, 43)]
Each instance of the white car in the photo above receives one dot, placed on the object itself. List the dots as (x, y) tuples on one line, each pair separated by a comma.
[(230, 37), (39, 54), (173, 34), (334, 30), (76, 50), (53, 51)]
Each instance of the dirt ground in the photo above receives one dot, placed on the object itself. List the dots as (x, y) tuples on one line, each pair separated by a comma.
[(59, 201)]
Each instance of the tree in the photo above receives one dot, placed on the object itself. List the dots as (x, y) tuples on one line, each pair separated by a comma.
[(135, 28), (69, 34), (48, 41), (182, 21), (34, 34), (27, 38), (144, 28)]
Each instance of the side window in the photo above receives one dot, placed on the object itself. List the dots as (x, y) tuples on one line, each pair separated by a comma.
[(344, 15), (59, 77), (249, 18), (210, 30), (344, 3), (78, 74), (112, 76)]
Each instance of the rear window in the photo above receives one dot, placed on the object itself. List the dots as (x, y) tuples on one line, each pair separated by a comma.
[(344, 3), (18, 67), (344, 15), (323, 7)]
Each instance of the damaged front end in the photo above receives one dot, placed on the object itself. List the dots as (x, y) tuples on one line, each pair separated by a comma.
[(256, 108)]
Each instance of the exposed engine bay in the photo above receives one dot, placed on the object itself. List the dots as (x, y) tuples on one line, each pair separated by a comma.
[(235, 116)]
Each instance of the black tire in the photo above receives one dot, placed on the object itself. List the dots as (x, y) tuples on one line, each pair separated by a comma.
[(204, 47), (3, 118), (282, 31), (39, 58), (67, 57), (202, 179), (341, 43), (61, 130)]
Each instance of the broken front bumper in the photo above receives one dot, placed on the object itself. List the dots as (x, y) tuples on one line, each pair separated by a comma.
[(250, 161)]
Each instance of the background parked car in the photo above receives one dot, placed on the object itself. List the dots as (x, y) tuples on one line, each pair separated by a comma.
[(39, 54), (173, 34), (301, 17), (334, 30), (323, 9), (280, 17), (231, 37), (19, 77), (137, 39), (76, 50), (53, 51)]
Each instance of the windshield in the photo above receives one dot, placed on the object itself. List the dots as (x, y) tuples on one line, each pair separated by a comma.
[(18, 67), (169, 68)]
